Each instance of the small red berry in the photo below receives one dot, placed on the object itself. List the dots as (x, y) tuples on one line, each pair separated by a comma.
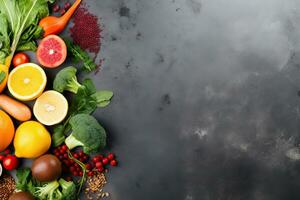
[(75, 173), (61, 157), (80, 153), (85, 157), (66, 155), (100, 156), (2, 157), (64, 147), (100, 169), (95, 159), (90, 173), (56, 154), (99, 165), (72, 169), (111, 156), (56, 8), (78, 169), (105, 161), (113, 163), (7, 151), (76, 155), (80, 173), (88, 166), (67, 5), (61, 151)]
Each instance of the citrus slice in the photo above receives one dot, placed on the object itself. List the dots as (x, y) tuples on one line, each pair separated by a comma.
[(50, 108), (27, 81), (52, 51)]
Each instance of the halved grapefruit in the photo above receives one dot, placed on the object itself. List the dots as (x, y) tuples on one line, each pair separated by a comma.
[(52, 51)]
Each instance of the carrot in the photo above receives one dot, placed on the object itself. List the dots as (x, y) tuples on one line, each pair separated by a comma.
[(54, 25), (16, 109)]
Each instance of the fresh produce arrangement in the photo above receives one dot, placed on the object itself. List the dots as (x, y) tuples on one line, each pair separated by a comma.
[(58, 134)]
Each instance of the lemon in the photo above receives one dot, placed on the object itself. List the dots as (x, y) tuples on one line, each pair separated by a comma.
[(27, 81), (50, 108), (31, 140)]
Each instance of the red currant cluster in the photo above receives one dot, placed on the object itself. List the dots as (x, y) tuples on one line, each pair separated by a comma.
[(97, 163)]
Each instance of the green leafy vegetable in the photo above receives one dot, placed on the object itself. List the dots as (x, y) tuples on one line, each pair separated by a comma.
[(58, 136), (68, 189), (2, 76), (81, 55), (49, 191), (23, 176), (56, 190), (19, 25), (66, 80), (102, 97), (87, 133)]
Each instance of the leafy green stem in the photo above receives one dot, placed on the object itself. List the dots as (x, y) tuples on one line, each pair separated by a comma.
[(83, 170)]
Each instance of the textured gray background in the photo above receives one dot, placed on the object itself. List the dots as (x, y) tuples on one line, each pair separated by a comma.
[(206, 102)]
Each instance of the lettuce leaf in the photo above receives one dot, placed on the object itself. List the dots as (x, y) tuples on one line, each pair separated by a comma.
[(19, 25)]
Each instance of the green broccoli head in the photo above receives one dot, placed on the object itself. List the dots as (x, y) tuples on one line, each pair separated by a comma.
[(48, 191), (66, 79), (68, 189), (86, 132)]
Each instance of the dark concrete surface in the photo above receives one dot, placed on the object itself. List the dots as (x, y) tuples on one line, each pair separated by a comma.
[(206, 102)]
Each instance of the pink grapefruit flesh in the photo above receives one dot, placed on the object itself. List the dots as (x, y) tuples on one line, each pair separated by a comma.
[(52, 51)]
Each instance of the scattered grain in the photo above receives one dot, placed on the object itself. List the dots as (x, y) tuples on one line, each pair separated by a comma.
[(94, 188)]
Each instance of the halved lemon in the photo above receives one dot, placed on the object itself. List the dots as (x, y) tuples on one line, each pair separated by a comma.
[(50, 108), (27, 81)]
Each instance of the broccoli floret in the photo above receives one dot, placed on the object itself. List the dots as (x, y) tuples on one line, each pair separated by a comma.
[(68, 189), (86, 132), (66, 80), (49, 191)]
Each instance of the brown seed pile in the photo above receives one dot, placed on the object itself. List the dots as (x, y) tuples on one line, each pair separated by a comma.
[(94, 188), (7, 186)]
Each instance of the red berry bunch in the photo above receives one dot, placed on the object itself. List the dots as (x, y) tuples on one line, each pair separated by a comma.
[(97, 163)]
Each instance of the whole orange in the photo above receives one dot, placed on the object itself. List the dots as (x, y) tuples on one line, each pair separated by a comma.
[(7, 130)]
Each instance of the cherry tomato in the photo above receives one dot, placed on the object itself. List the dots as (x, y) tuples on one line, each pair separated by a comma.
[(10, 162), (20, 58)]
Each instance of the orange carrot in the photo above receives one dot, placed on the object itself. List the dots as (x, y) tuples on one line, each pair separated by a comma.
[(15, 108), (54, 25)]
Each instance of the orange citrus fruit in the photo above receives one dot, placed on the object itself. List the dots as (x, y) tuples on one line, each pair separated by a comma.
[(27, 81), (50, 108), (7, 130)]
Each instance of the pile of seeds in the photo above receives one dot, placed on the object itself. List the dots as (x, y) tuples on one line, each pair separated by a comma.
[(94, 187), (7, 186)]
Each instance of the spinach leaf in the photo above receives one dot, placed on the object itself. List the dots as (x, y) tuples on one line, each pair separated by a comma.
[(81, 55), (102, 97)]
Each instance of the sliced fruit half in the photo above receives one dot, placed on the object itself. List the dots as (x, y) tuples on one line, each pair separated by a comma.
[(52, 51), (50, 108), (27, 81)]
